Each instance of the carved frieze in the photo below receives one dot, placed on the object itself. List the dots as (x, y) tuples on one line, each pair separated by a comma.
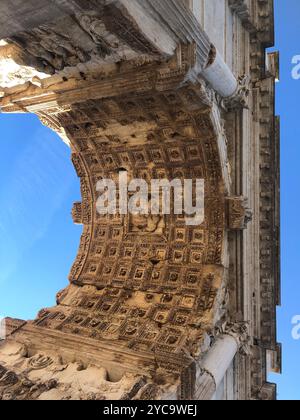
[(77, 213)]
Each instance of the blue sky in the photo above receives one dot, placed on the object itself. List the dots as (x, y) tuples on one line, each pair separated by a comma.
[(38, 240)]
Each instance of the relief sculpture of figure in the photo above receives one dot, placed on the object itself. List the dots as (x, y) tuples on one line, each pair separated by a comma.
[(146, 224), (96, 29), (65, 52)]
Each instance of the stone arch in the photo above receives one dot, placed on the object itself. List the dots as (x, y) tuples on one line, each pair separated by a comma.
[(113, 276), (117, 297)]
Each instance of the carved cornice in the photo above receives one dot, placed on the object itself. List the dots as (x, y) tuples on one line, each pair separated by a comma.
[(257, 17), (242, 8), (51, 99), (269, 211)]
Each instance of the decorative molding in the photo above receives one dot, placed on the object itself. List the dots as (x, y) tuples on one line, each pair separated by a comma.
[(257, 17), (77, 213), (239, 215)]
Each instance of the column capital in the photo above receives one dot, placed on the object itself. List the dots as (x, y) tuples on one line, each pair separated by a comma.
[(239, 99), (239, 331)]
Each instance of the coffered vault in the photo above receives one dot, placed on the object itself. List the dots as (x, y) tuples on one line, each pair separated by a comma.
[(155, 309)]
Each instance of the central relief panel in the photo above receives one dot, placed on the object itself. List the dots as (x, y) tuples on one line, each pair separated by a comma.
[(151, 283)]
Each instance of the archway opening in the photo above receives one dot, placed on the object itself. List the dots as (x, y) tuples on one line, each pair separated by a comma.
[(38, 239)]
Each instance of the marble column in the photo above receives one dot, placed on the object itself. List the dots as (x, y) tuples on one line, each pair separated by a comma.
[(214, 366)]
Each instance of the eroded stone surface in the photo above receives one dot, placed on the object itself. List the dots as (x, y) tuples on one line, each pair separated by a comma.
[(46, 377)]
